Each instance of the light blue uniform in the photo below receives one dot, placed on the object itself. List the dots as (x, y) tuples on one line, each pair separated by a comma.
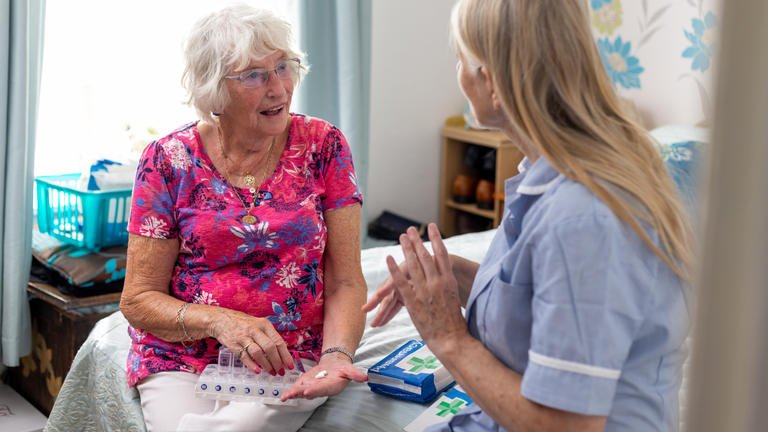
[(571, 298)]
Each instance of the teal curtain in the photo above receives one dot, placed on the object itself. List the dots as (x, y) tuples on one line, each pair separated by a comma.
[(336, 36), (21, 54)]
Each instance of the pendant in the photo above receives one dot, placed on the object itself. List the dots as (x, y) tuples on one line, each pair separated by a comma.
[(249, 219), (249, 179)]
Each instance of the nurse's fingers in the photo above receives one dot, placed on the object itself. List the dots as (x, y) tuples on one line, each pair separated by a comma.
[(380, 294), (401, 283), (385, 307), (441, 253), (425, 258), (393, 307), (412, 262)]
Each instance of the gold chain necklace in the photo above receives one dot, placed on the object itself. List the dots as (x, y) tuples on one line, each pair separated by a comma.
[(249, 179)]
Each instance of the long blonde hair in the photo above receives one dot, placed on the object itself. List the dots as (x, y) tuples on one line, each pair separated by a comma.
[(554, 89)]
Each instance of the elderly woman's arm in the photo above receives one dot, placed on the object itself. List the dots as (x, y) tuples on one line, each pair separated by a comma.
[(147, 305), (344, 292)]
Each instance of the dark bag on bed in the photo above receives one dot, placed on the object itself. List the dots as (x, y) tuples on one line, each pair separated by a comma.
[(389, 226)]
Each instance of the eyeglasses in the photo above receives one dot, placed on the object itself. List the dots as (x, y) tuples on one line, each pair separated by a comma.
[(258, 77)]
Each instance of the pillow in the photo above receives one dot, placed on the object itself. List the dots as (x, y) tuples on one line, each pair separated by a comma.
[(80, 267), (682, 161)]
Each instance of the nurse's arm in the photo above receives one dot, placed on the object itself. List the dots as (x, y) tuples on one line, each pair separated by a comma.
[(496, 389), (464, 271)]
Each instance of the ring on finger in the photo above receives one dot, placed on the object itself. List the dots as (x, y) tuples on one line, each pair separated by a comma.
[(239, 353), (245, 349)]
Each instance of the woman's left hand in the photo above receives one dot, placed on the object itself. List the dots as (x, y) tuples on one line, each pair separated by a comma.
[(339, 373), (431, 296)]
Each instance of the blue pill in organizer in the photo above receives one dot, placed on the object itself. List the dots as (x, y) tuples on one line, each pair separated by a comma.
[(275, 392), (218, 387), (247, 390), (232, 389), (261, 391), (204, 386)]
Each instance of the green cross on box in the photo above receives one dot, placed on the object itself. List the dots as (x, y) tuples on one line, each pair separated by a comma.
[(454, 407), (421, 364)]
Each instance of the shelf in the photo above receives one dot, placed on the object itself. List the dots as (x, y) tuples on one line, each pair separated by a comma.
[(494, 139), (456, 139), (470, 208)]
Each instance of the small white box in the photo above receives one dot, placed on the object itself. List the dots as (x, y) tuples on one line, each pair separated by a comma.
[(18, 415)]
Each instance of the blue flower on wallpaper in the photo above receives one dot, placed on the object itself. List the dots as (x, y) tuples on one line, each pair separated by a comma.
[(704, 39), (621, 67), (606, 15)]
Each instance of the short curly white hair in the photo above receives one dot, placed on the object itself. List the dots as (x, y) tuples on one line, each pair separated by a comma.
[(230, 39)]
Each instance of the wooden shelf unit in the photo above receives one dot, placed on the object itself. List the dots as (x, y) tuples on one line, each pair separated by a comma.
[(456, 139)]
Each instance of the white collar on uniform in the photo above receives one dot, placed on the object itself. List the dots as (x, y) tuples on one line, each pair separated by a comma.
[(539, 178)]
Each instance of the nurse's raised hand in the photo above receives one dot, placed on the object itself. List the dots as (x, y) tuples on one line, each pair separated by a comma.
[(387, 299), (431, 296)]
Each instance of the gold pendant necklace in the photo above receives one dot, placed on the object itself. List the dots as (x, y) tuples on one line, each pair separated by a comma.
[(249, 179)]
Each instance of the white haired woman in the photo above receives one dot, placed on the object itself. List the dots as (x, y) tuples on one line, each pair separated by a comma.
[(577, 318), (245, 234)]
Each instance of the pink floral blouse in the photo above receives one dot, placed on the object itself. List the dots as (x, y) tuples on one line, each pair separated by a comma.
[(271, 269)]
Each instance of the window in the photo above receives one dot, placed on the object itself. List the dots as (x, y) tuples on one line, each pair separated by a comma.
[(109, 64)]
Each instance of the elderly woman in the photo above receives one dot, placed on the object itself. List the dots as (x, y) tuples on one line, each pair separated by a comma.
[(577, 318), (244, 234)]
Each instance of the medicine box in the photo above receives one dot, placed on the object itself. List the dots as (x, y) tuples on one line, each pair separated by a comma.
[(442, 410), (230, 380), (411, 372)]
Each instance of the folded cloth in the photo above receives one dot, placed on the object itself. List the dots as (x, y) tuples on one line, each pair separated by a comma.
[(42, 274), (80, 267), (106, 175)]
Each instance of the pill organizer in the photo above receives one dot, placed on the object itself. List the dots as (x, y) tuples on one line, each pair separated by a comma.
[(230, 380)]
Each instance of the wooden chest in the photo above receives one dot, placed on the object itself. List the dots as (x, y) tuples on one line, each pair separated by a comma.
[(59, 329)]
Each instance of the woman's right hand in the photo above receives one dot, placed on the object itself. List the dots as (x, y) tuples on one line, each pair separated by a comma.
[(387, 298), (266, 349)]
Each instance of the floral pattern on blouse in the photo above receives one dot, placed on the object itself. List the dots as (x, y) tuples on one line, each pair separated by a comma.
[(271, 269)]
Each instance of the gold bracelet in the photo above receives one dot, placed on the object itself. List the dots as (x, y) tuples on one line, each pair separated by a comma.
[(184, 327), (179, 325)]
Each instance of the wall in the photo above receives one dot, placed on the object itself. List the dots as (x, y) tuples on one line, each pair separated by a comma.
[(659, 54), (413, 91)]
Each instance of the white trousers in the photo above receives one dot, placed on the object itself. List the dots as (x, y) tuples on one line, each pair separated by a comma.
[(169, 404)]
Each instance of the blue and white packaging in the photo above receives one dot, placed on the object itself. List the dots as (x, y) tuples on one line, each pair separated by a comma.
[(108, 175), (411, 372), (441, 410)]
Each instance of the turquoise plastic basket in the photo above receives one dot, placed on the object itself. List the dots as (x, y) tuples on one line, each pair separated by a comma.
[(87, 219)]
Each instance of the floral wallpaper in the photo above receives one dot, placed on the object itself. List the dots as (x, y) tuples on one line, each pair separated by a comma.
[(660, 54)]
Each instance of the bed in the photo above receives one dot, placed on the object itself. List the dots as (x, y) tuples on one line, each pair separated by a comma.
[(95, 395)]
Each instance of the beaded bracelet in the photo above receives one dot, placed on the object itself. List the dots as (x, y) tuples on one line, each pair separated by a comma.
[(338, 349)]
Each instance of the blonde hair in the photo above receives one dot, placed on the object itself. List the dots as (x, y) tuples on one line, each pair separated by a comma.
[(229, 39), (553, 87)]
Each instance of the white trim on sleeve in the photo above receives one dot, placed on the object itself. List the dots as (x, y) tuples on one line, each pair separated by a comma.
[(570, 366)]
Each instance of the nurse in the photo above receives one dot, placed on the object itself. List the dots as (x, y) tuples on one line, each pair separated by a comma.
[(578, 316)]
